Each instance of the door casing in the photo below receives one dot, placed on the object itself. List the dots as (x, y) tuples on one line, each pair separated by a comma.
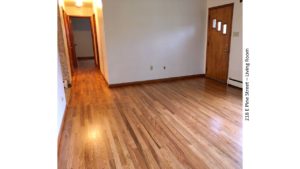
[(70, 40)]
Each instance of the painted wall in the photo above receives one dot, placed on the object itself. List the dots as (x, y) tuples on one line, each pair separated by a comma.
[(61, 98), (63, 48), (101, 40), (236, 57), (82, 37), (141, 33)]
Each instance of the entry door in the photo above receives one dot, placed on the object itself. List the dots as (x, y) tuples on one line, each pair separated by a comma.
[(218, 42)]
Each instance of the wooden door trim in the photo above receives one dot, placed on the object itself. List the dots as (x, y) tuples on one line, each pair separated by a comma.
[(95, 40), (94, 37), (66, 26), (221, 6), (69, 33), (229, 34)]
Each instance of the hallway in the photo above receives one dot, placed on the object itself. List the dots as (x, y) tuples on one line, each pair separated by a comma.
[(191, 123)]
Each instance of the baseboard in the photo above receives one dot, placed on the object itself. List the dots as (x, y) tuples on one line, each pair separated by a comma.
[(230, 85), (61, 130), (155, 80), (62, 126), (85, 58), (102, 76), (234, 82)]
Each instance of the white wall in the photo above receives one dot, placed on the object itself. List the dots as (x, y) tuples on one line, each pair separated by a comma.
[(235, 58), (61, 98), (141, 33), (82, 37), (101, 40)]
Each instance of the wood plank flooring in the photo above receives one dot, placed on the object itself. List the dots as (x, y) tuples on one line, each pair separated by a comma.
[(194, 123)]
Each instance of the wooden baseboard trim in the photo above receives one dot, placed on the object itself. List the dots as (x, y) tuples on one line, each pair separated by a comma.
[(85, 58), (62, 126), (156, 80), (61, 130), (102, 76)]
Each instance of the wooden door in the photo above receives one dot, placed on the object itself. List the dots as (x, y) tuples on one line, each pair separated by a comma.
[(218, 42), (95, 43), (70, 41)]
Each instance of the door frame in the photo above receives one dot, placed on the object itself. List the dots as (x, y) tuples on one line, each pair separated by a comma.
[(72, 52), (72, 56), (95, 40), (230, 33)]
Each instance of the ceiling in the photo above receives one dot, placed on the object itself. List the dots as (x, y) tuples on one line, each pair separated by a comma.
[(86, 3)]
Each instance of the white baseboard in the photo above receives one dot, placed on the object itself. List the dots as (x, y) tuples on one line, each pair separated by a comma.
[(234, 83)]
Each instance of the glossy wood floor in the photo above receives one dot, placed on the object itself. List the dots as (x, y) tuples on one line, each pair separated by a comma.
[(193, 123)]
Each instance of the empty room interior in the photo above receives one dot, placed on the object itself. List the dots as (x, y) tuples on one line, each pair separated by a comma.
[(149, 84)]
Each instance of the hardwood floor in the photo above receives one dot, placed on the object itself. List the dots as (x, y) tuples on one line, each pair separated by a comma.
[(194, 123)]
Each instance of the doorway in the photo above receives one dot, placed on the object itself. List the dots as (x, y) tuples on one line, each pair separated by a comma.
[(218, 42), (82, 42)]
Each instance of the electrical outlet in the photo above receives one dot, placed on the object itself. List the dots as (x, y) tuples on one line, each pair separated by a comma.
[(151, 67)]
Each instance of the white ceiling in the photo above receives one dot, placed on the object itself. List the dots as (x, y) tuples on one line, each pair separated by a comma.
[(72, 2)]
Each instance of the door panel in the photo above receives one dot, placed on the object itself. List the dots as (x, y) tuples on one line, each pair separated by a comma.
[(218, 42)]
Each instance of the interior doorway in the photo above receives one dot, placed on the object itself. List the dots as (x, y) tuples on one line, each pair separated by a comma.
[(82, 41), (218, 42)]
